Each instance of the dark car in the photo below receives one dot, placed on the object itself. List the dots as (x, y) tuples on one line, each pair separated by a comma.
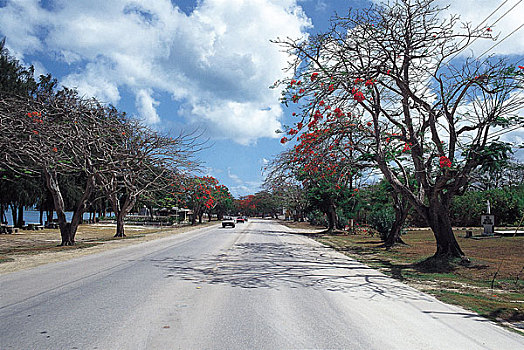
[(228, 221), (240, 219)]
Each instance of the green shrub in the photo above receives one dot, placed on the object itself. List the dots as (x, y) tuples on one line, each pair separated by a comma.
[(381, 219)]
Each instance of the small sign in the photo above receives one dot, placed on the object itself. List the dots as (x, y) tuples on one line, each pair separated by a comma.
[(488, 222)]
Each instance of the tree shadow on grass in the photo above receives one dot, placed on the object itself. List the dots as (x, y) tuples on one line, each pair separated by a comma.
[(393, 269)]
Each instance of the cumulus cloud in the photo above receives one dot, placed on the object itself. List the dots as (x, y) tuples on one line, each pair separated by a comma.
[(146, 106), (217, 61)]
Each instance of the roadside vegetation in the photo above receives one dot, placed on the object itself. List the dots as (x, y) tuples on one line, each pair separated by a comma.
[(62, 152), (491, 285), (379, 96)]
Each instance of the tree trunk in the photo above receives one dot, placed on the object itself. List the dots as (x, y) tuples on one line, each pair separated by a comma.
[(331, 217), (67, 229), (14, 215), (394, 234), (3, 218), (20, 222), (123, 209), (200, 215), (401, 208), (438, 220), (120, 231), (49, 215), (41, 214)]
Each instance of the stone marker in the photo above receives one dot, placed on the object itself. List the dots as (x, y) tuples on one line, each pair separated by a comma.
[(488, 221)]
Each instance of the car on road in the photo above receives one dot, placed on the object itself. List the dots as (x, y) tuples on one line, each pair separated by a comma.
[(228, 221), (240, 219)]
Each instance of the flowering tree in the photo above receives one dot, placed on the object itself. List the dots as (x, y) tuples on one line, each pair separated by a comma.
[(223, 200), (247, 205), (59, 134), (198, 193), (289, 193), (389, 66)]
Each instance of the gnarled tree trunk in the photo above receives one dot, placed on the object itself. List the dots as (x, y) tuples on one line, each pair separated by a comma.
[(67, 229), (440, 223), (331, 216), (401, 208)]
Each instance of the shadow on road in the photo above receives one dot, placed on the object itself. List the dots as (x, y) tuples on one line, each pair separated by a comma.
[(286, 265)]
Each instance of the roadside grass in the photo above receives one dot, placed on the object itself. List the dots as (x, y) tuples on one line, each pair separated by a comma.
[(492, 284), (48, 240)]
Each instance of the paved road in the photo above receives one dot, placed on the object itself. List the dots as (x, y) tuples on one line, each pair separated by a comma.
[(252, 287)]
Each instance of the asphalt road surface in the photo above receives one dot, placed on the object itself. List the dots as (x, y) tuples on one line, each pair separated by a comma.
[(251, 287)]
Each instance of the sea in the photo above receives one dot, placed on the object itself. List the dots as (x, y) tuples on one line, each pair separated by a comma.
[(33, 216)]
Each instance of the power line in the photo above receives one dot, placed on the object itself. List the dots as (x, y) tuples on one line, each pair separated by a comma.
[(499, 42), (480, 24), (477, 27), (508, 11)]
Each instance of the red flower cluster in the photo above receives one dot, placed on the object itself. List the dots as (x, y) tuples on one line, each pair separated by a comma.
[(368, 83), (359, 96), (284, 140), (34, 115), (445, 162), (407, 147), (314, 76)]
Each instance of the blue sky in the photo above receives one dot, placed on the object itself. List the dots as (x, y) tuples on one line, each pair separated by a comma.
[(185, 64)]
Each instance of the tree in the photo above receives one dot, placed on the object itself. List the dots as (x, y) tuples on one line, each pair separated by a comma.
[(143, 161), (58, 133), (388, 66), (196, 192), (388, 211), (497, 174), (324, 162), (289, 193), (223, 201)]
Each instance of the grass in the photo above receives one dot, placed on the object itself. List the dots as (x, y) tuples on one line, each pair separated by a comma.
[(469, 286), (48, 240)]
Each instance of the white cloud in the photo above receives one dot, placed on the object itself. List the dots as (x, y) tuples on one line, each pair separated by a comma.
[(217, 61), (245, 189), (95, 80), (234, 177), (146, 106), (476, 11)]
